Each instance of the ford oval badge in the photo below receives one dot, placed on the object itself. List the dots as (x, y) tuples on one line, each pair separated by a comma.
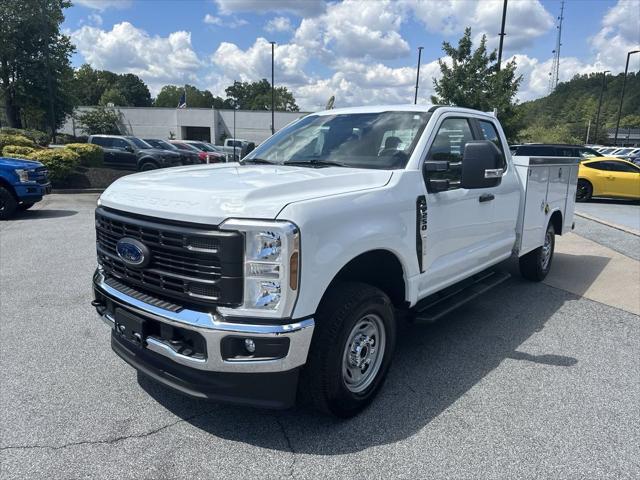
[(132, 252)]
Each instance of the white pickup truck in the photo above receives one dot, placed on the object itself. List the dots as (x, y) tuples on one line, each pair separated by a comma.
[(285, 274)]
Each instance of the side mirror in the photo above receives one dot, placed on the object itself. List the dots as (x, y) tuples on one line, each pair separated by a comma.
[(481, 165)]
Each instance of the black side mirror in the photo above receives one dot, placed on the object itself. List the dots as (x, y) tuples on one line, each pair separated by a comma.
[(481, 165)]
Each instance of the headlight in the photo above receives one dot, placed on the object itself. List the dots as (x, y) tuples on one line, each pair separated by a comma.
[(271, 268), (23, 175)]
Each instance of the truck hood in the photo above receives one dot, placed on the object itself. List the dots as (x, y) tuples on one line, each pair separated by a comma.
[(210, 194), (17, 163)]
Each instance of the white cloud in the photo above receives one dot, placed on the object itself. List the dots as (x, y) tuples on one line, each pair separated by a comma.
[(228, 22), (278, 24), (355, 29), (95, 18), (620, 33), (104, 4), (526, 20), (299, 7), (254, 63), (127, 49)]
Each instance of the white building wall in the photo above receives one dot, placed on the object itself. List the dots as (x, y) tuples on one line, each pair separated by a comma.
[(154, 122)]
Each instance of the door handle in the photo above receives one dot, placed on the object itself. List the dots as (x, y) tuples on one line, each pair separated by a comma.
[(486, 197)]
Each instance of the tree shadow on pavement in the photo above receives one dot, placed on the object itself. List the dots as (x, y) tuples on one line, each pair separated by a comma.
[(434, 366)]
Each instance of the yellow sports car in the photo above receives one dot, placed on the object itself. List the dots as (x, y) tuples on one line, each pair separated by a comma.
[(607, 177)]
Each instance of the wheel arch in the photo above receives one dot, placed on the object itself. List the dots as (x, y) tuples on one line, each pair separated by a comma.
[(556, 221), (4, 183), (144, 160), (380, 268)]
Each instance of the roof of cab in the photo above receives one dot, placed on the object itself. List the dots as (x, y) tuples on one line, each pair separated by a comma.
[(397, 108)]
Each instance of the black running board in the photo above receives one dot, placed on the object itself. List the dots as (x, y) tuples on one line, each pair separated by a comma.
[(435, 306)]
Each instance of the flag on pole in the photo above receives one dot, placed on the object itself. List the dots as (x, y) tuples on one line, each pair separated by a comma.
[(182, 103)]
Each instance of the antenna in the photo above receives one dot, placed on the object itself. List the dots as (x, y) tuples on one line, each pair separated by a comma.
[(554, 74)]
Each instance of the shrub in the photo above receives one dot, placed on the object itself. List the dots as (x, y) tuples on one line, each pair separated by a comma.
[(90, 155), (41, 138), (59, 161), (65, 138), (16, 140), (14, 150)]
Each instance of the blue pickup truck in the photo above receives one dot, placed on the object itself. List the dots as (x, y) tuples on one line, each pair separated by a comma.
[(22, 183)]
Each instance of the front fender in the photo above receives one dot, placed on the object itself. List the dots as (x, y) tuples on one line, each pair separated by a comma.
[(336, 229)]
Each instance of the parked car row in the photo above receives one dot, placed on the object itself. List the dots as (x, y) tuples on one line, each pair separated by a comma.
[(600, 174), (629, 153), (133, 153)]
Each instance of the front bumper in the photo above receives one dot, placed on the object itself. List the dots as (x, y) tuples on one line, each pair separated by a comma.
[(154, 355), (31, 192)]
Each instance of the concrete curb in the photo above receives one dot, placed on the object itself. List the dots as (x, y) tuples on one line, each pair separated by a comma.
[(632, 231), (77, 190)]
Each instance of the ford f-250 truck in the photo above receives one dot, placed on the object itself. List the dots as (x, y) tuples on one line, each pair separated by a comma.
[(285, 273)]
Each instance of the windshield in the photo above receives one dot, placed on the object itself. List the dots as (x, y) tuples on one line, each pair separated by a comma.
[(624, 151), (360, 140), (139, 143), (161, 144)]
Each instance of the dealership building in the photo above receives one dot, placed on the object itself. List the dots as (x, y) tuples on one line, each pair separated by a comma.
[(205, 124)]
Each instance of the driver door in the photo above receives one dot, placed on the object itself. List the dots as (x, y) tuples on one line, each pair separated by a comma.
[(460, 238)]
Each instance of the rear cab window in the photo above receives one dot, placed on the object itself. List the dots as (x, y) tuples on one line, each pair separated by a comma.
[(490, 132)]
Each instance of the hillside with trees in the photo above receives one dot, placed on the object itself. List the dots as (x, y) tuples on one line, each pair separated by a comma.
[(564, 115)]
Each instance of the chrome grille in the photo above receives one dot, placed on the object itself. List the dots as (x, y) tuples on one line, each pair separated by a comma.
[(194, 264)]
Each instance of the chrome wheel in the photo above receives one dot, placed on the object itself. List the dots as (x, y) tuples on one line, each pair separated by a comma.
[(547, 248), (363, 353)]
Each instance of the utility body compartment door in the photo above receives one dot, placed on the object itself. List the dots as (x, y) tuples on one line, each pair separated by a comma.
[(549, 186)]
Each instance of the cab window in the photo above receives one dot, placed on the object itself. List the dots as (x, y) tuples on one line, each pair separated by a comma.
[(119, 143), (622, 167), (452, 136), (490, 133)]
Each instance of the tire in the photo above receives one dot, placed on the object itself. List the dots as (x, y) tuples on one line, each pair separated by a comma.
[(148, 165), (536, 264), (8, 204), (343, 371), (25, 206), (584, 191)]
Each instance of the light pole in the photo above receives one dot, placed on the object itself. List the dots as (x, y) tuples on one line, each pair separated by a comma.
[(273, 96), (502, 34), (604, 76), (415, 99), (624, 84), (235, 107)]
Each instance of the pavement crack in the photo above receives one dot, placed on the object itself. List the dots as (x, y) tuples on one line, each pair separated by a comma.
[(105, 442), (289, 445)]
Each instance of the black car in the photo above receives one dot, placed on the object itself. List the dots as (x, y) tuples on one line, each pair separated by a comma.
[(188, 158), (553, 150), (132, 153)]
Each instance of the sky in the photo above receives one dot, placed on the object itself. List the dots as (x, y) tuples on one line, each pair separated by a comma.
[(360, 51)]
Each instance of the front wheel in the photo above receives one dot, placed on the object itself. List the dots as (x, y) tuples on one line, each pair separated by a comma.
[(8, 204), (536, 264), (25, 206), (351, 349), (146, 166)]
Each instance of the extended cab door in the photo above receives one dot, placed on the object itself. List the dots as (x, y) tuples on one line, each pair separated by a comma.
[(467, 229)]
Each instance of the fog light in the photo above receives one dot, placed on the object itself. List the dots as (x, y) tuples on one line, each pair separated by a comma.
[(250, 345)]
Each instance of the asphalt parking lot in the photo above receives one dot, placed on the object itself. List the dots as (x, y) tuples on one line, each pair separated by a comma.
[(529, 381)]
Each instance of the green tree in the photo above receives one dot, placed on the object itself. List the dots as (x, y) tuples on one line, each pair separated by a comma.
[(113, 95), (474, 80), (169, 96), (89, 87), (100, 120), (537, 133), (34, 62), (257, 96)]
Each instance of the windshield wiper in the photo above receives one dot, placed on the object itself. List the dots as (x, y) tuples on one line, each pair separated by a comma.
[(257, 161), (315, 163)]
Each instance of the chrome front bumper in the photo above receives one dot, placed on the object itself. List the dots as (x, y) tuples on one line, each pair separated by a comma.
[(213, 328)]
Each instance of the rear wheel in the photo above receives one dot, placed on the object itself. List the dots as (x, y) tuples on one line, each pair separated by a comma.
[(7, 204), (351, 349), (584, 190), (536, 264)]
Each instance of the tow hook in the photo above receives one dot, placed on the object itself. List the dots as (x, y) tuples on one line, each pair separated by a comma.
[(100, 307)]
